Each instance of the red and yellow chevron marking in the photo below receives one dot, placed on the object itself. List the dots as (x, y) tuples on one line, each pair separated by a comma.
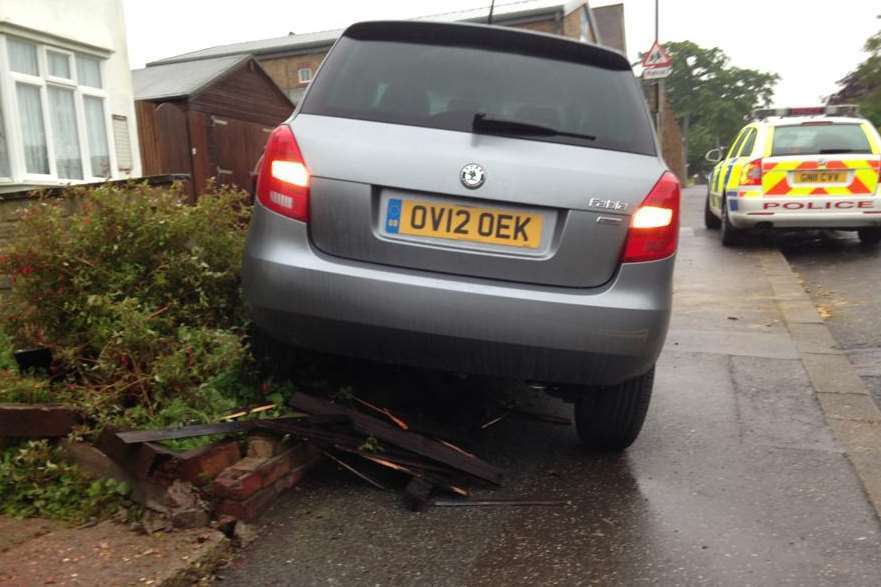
[(775, 178)]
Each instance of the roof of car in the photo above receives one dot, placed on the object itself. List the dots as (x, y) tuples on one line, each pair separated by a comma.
[(794, 120)]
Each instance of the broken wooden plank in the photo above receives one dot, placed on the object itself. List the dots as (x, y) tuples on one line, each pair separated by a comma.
[(412, 461), (186, 431), (37, 420), (140, 460), (435, 480), (497, 502), (495, 420), (416, 443), (384, 411), (353, 470)]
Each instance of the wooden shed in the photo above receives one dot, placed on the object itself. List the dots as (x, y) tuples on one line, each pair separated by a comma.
[(209, 118)]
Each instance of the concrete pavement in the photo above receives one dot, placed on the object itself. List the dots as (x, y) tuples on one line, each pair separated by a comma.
[(737, 478)]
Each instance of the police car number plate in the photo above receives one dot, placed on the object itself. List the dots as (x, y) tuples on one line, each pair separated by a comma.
[(821, 176), (512, 228)]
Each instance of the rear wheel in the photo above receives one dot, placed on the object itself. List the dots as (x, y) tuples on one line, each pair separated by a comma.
[(731, 236), (610, 418), (711, 221), (870, 236)]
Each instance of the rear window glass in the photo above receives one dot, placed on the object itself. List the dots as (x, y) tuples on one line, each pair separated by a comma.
[(818, 139), (444, 86)]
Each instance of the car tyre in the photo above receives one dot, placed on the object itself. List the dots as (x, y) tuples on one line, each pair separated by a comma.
[(731, 236), (870, 236), (610, 418), (711, 221)]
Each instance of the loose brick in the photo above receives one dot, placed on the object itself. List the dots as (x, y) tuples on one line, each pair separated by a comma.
[(250, 509), (251, 474), (262, 445), (200, 466)]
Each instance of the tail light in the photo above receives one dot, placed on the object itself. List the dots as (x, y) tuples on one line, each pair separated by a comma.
[(752, 173), (283, 179), (654, 227)]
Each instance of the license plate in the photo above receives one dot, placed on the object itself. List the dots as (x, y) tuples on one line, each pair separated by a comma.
[(821, 176), (493, 226)]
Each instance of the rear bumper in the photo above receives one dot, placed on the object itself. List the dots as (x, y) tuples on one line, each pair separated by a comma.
[(805, 211), (596, 336)]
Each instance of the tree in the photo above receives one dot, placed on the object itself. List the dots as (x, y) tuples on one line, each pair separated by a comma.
[(863, 85), (712, 98)]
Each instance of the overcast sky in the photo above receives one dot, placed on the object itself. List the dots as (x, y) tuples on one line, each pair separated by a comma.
[(809, 43)]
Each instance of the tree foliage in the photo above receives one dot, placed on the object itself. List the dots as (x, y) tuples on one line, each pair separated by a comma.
[(711, 97), (863, 85)]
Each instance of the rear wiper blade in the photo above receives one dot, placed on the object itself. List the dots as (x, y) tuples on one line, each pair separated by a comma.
[(837, 151), (483, 124)]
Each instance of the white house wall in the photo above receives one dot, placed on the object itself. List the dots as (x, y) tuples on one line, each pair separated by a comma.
[(89, 26)]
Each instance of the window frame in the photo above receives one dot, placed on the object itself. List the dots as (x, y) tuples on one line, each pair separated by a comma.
[(751, 135), (71, 66), (300, 76), (9, 99)]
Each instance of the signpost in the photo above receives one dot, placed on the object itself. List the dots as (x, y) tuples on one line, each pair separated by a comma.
[(657, 65)]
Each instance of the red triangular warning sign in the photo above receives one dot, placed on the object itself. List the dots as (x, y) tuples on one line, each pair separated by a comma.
[(657, 56)]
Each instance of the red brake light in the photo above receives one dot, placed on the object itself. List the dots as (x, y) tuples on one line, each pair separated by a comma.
[(654, 227), (283, 179), (752, 173)]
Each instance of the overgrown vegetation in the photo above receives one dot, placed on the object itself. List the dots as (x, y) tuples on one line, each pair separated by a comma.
[(137, 294), (35, 481)]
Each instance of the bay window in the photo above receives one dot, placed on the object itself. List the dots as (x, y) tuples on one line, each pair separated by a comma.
[(54, 121)]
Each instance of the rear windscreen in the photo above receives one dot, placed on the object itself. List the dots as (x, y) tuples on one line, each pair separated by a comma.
[(820, 139), (444, 86)]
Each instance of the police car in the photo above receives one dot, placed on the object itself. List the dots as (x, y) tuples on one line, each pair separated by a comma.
[(798, 168)]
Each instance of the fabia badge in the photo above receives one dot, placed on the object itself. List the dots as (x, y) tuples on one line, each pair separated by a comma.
[(603, 204), (472, 176)]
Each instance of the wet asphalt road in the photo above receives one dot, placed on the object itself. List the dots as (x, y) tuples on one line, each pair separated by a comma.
[(735, 480), (843, 279)]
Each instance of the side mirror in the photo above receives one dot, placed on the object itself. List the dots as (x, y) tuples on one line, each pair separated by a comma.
[(714, 155)]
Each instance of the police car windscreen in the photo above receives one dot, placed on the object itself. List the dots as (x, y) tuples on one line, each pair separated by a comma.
[(443, 86), (819, 139)]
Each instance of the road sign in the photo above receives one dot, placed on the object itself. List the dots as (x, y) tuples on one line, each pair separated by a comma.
[(656, 63), (656, 72), (657, 56)]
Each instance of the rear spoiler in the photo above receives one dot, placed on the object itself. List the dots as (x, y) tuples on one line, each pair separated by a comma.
[(489, 37), (851, 110)]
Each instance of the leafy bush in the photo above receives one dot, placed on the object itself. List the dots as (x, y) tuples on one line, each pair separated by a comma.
[(34, 481), (7, 362), (137, 295)]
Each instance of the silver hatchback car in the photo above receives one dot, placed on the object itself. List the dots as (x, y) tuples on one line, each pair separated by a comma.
[(474, 199)]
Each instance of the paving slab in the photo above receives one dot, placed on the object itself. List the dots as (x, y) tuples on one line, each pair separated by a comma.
[(112, 554)]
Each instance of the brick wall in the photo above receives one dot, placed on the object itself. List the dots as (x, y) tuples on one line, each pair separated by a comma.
[(283, 70), (541, 26)]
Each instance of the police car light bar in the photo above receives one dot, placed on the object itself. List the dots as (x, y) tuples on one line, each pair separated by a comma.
[(833, 110)]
